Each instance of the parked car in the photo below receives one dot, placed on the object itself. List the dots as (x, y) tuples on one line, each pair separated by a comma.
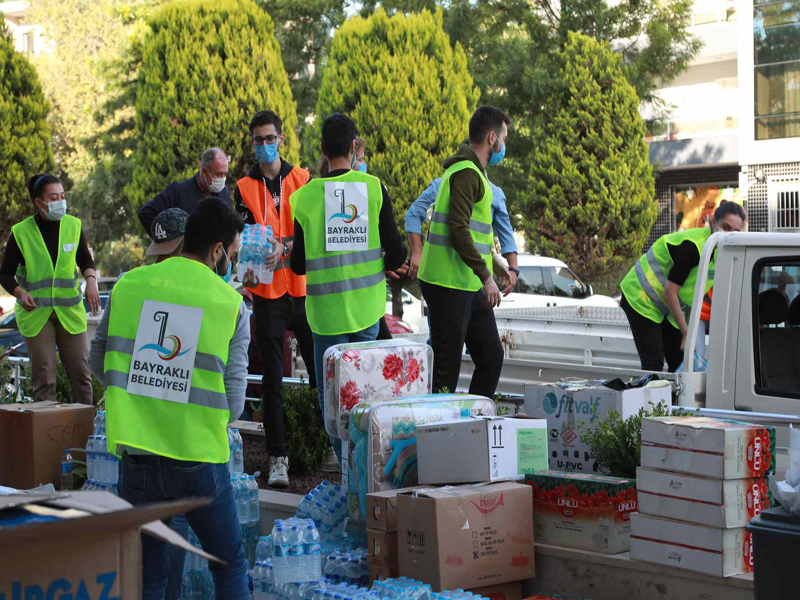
[(544, 282), (10, 335), (412, 312)]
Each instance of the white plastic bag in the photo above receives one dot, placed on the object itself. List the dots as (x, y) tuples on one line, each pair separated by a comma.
[(700, 364), (788, 491)]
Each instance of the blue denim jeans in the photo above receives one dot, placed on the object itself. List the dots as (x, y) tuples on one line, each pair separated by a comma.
[(177, 556), (321, 344), (145, 479)]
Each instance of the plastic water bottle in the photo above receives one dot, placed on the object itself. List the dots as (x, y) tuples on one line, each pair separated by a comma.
[(238, 456), (296, 549), (280, 573), (340, 570), (99, 429), (328, 524), (67, 477), (255, 510), (304, 508), (230, 449), (313, 550), (316, 513), (363, 565), (90, 458)]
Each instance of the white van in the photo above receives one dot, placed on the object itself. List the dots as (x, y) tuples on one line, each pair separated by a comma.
[(544, 282)]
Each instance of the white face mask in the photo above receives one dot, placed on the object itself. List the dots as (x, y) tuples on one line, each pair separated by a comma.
[(217, 184), (56, 210)]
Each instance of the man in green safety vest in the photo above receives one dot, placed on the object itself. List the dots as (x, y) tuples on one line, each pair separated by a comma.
[(456, 268), (172, 351), (661, 284), (345, 237)]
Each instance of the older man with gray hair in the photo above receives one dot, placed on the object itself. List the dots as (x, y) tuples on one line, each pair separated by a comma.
[(208, 181)]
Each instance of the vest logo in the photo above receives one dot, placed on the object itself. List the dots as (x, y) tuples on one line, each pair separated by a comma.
[(488, 505), (349, 212), (163, 353), (346, 216), (164, 369), (62, 588)]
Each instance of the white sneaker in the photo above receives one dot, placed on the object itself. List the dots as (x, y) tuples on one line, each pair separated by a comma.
[(278, 472), (331, 463)]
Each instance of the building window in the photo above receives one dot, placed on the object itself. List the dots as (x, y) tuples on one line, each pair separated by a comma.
[(776, 31), (28, 40), (783, 194)]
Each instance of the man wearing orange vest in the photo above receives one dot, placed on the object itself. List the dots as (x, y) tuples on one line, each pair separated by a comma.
[(263, 197)]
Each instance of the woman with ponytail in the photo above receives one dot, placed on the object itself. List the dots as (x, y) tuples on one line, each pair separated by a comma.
[(40, 268)]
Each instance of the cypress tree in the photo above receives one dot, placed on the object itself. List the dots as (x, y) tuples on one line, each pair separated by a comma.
[(407, 90), (24, 133), (590, 196), (207, 66)]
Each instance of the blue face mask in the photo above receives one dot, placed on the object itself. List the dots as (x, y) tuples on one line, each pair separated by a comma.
[(362, 167), (267, 153), (496, 157), (227, 277)]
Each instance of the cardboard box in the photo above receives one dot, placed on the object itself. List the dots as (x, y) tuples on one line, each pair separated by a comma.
[(33, 438), (381, 572), (503, 591), (566, 405), (579, 510), (708, 447), (466, 536), (382, 508), (723, 503), (80, 544), (382, 548), (481, 449), (720, 552)]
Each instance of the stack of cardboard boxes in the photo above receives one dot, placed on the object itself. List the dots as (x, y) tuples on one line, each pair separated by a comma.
[(477, 536), (700, 483), (570, 405)]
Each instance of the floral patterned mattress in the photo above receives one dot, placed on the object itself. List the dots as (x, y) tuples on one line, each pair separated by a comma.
[(367, 370), (383, 441)]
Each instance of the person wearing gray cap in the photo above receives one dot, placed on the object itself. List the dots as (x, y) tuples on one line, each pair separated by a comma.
[(167, 233), (208, 181)]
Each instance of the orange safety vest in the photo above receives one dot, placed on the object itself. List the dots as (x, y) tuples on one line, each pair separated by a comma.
[(705, 312), (259, 200)]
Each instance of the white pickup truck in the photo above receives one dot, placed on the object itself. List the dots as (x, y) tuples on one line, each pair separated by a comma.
[(753, 348)]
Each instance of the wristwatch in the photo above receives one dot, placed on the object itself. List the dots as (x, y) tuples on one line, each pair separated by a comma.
[(514, 270), (286, 250)]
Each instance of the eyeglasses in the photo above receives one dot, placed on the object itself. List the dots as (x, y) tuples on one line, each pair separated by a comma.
[(260, 141)]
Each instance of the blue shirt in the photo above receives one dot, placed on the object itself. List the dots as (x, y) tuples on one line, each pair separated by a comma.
[(418, 213)]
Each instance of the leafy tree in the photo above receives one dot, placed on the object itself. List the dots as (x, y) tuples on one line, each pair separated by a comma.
[(24, 133), (304, 31), (206, 67), (511, 45), (121, 256), (83, 36), (409, 93), (590, 195)]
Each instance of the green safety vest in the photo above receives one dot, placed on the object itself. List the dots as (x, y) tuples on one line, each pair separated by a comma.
[(644, 284), (195, 430), (52, 287), (441, 264), (345, 290)]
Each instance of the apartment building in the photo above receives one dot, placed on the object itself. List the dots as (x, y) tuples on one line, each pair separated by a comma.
[(27, 37), (734, 131)]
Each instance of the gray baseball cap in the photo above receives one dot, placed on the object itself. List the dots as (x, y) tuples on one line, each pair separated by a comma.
[(167, 231)]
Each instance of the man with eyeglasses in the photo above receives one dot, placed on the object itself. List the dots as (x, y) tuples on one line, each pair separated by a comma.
[(208, 181), (263, 197)]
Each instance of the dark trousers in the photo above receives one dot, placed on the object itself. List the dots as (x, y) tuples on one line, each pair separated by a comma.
[(654, 341), (458, 318), (272, 319)]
